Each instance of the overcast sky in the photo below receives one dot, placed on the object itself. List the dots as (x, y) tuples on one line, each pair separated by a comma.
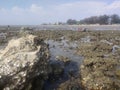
[(35, 12)]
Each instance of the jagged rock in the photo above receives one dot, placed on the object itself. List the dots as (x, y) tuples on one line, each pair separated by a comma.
[(63, 59), (21, 62)]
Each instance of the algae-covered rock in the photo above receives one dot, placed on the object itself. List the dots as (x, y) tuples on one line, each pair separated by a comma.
[(22, 63), (99, 69), (99, 74)]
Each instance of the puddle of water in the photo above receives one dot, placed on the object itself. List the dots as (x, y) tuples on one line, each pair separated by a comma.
[(66, 49)]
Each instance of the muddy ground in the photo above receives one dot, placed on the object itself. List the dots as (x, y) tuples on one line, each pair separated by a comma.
[(80, 60)]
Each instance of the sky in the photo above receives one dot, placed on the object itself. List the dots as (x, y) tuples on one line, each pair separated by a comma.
[(36, 12)]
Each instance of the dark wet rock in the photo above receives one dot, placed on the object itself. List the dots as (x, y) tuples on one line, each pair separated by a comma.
[(72, 84), (24, 64), (60, 73), (57, 70), (64, 59)]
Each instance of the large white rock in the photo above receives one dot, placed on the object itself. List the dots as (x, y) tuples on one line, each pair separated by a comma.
[(21, 61)]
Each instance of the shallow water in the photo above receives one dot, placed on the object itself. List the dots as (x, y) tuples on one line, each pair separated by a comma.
[(66, 49)]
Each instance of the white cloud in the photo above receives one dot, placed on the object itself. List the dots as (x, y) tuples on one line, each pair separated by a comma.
[(113, 8), (36, 14), (114, 5), (16, 15), (17, 11), (80, 9), (2, 9), (35, 9)]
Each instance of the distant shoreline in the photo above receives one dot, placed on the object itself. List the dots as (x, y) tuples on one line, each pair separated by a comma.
[(63, 27)]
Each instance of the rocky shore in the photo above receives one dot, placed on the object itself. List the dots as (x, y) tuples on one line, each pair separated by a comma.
[(61, 60)]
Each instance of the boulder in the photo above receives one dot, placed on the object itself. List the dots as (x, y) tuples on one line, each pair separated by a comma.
[(23, 62)]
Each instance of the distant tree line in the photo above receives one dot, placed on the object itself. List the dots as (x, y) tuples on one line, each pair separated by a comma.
[(102, 19)]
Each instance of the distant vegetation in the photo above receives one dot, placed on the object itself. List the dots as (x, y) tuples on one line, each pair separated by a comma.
[(102, 19)]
